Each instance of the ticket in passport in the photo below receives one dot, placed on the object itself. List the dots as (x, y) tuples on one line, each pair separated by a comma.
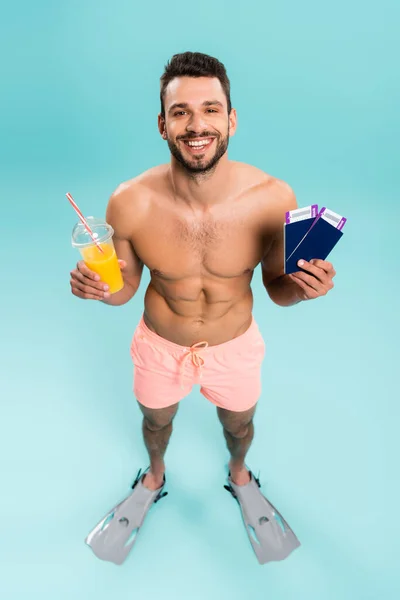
[(310, 234)]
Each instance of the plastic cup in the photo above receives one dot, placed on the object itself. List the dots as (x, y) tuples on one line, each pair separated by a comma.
[(105, 263)]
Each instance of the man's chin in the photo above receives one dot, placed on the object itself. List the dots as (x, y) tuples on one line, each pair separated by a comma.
[(201, 165)]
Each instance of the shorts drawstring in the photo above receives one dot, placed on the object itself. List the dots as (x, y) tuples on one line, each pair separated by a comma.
[(197, 360)]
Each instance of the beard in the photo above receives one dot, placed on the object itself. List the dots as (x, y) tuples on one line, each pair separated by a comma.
[(198, 164)]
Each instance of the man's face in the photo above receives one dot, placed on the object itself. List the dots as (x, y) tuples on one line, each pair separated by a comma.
[(197, 126)]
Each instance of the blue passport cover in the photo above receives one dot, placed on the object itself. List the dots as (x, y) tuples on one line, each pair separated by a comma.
[(294, 232), (320, 240)]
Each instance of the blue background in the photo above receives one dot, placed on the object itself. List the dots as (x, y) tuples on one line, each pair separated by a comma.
[(316, 89)]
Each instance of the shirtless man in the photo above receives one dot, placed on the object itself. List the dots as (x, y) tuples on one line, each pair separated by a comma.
[(201, 224)]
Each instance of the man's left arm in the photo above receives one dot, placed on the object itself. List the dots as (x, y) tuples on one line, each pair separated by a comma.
[(287, 290)]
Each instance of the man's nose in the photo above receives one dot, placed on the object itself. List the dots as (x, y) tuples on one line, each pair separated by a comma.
[(196, 123)]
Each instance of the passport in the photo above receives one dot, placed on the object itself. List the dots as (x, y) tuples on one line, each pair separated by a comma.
[(310, 234)]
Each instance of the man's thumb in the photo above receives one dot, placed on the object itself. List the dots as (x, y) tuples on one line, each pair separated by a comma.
[(122, 264)]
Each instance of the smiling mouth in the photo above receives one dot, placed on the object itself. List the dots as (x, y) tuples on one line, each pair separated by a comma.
[(198, 145)]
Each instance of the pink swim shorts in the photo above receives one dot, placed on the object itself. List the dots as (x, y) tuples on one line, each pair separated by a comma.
[(229, 374)]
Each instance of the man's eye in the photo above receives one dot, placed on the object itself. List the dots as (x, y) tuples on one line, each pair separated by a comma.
[(211, 110), (179, 112)]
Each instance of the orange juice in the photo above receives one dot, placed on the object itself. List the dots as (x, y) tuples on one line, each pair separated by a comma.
[(106, 265)]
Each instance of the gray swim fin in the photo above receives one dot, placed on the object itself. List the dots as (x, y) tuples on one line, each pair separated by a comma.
[(113, 538), (271, 537)]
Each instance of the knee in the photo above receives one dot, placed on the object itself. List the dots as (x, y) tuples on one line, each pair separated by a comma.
[(154, 426), (239, 431)]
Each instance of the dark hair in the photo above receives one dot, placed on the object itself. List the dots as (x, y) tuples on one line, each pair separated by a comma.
[(194, 64)]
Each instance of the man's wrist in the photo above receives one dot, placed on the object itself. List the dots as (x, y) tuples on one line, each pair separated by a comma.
[(284, 291)]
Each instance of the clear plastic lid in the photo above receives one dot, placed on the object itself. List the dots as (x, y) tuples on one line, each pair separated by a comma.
[(102, 232)]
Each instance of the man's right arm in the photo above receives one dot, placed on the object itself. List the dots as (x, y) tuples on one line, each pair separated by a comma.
[(123, 214)]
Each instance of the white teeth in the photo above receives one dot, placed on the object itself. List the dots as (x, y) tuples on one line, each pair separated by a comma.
[(199, 144)]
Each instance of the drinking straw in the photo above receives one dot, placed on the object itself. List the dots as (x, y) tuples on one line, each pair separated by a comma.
[(85, 223)]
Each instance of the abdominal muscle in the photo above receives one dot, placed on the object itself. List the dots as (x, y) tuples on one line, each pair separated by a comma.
[(215, 314)]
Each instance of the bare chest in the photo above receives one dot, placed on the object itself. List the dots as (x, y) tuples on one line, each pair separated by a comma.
[(221, 245)]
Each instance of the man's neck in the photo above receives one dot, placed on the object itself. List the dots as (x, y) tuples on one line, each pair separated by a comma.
[(200, 190)]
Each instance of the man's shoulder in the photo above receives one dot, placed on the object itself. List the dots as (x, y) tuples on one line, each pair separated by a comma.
[(139, 190), (140, 185), (271, 190), (131, 200)]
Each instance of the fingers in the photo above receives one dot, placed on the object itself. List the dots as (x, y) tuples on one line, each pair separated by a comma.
[(323, 273), (315, 271), (324, 265), (84, 270), (308, 283), (87, 293), (316, 279), (86, 284)]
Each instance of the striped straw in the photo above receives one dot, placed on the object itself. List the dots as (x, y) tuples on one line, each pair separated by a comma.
[(85, 223)]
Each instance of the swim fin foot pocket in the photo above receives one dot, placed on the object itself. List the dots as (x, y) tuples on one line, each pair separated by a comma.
[(269, 534), (115, 535)]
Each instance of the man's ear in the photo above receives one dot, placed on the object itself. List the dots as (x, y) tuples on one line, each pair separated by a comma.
[(232, 122), (161, 127)]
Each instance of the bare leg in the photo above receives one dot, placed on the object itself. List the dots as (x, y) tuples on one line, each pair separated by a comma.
[(157, 429), (239, 433)]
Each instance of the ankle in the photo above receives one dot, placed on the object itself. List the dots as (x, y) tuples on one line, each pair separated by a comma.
[(157, 469), (153, 481), (236, 465), (239, 474)]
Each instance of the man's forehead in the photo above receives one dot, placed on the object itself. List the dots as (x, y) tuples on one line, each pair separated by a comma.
[(193, 90)]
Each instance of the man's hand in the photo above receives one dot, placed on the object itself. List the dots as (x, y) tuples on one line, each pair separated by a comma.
[(317, 281), (86, 284)]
